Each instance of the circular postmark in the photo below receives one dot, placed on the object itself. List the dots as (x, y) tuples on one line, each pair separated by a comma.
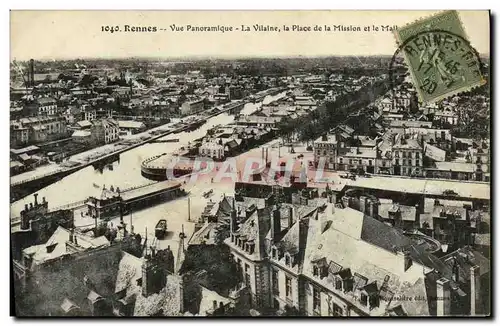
[(440, 64)]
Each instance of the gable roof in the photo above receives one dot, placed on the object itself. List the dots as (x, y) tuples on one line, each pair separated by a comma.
[(40, 254)]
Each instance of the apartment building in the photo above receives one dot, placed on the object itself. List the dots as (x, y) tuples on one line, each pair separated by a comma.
[(105, 131), (336, 261), (407, 156)]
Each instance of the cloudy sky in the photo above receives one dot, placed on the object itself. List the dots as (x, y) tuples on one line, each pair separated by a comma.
[(78, 34)]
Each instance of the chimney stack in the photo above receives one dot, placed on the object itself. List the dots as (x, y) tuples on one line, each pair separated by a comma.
[(31, 77), (407, 262), (276, 223), (36, 199), (290, 216), (475, 290), (43, 200), (362, 204), (443, 302), (234, 221), (31, 206)]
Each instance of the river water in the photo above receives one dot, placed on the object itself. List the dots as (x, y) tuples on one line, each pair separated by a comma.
[(126, 172)]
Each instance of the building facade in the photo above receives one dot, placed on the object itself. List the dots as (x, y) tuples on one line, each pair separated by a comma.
[(105, 131)]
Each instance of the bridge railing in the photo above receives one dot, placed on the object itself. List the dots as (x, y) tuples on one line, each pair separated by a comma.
[(37, 177), (69, 206)]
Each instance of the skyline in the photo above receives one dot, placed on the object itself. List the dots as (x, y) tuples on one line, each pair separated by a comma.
[(60, 35)]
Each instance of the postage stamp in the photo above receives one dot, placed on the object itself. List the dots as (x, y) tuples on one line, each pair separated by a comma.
[(439, 56)]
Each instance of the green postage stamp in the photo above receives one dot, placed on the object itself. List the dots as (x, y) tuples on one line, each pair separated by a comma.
[(439, 56)]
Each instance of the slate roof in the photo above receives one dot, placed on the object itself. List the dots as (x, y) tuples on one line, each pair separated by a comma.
[(366, 247), (205, 235), (167, 300), (58, 240)]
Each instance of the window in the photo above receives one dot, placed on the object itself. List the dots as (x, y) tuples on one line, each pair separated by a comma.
[(247, 275), (417, 162), (404, 162), (350, 161), (288, 285), (397, 162), (274, 279), (316, 300), (315, 270), (370, 163), (338, 284), (341, 160), (417, 155), (404, 154), (334, 309), (364, 299), (383, 163), (403, 170)]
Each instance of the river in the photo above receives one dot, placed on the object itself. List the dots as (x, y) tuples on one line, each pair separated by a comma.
[(127, 171)]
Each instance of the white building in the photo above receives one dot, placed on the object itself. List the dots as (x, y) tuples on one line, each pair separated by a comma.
[(212, 149)]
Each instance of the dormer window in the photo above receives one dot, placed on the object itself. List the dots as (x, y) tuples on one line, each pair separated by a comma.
[(51, 247), (251, 248), (343, 280), (369, 295), (273, 253), (287, 259), (338, 283), (320, 267)]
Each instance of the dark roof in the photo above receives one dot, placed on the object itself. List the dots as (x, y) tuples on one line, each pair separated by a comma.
[(382, 235), (344, 273), (370, 288)]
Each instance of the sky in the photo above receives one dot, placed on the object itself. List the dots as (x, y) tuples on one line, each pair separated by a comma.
[(47, 35)]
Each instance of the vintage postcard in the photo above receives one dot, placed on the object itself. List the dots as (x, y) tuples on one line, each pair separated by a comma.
[(250, 163)]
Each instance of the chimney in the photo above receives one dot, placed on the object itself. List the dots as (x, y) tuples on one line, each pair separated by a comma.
[(71, 235), (31, 78), (31, 206), (346, 201), (43, 200), (290, 216), (362, 204), (276, 223), (146, 271), (475, 290), (234, 221), (443, 302), (214, 305), (405, 256), (369, 207), (26, 207), (36, 199)]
